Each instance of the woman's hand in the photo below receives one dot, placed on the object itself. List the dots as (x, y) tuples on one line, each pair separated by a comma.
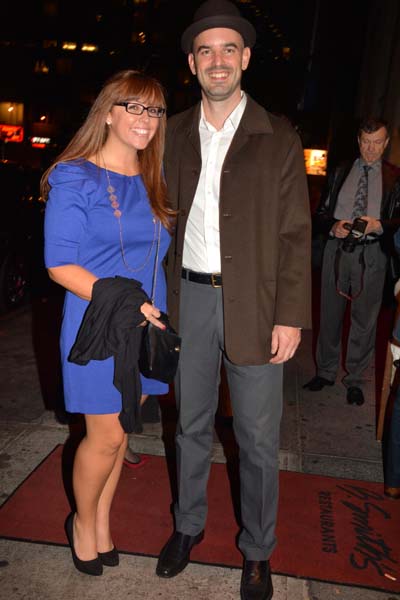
[(151, 314)]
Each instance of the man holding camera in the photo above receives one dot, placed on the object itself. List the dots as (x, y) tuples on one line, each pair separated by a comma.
[(360, 211)]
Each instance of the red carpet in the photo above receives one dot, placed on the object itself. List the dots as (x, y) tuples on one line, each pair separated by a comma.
[(335, 530)]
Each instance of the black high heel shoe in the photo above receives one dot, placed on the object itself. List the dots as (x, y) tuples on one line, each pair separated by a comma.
[(110, 558), (89, 567)]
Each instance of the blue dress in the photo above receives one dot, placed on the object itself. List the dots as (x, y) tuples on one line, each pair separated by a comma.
[(81, 229)]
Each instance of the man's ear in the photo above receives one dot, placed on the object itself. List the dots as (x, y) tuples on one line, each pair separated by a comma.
[(246, 58), (192, 65)]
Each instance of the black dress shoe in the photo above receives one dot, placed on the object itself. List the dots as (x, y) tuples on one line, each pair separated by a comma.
[(317, 383), (176, 553), (89, 567), (256, 582), (110, 558), (355, 396)]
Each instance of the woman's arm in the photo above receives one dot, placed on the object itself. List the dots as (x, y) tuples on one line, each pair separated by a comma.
[(74, 278), (79, 281)]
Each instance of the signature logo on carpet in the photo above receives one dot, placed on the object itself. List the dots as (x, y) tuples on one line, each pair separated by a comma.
[(327, 522), (369, 547)]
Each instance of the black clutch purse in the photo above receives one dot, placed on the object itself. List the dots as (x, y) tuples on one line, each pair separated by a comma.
[(159, 353)]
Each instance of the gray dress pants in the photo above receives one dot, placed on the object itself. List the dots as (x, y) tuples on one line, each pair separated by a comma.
[(364, 310), (256, 397)]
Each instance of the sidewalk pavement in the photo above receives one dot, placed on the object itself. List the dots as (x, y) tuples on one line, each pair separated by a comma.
[(321, 434)]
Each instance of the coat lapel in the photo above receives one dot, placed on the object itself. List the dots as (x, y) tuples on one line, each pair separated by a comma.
[(254, 121)]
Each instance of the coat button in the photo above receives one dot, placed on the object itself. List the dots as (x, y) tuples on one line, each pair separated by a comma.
[(228, 258), (183, 212), (226, 214), (175, 292)]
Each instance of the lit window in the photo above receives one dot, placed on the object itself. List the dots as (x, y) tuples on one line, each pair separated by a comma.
[(69, 46), (89, 48)]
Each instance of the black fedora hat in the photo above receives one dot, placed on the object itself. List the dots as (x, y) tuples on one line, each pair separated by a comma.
[(218, 13)]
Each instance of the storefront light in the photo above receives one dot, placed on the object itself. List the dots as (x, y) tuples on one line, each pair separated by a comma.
[(316, 161)]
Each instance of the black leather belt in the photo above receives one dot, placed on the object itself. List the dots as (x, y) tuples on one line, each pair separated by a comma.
[(360, 243), (214, 279), (368, 242)]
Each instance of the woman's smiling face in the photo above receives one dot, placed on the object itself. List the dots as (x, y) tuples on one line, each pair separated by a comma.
[(132, 130)]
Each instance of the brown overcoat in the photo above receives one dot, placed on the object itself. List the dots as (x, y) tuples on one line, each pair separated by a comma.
[(265, 227)]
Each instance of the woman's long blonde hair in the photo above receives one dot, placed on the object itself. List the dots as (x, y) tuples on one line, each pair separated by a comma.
[(91, 137)]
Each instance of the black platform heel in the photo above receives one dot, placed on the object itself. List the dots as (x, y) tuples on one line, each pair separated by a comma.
[(89, 567), (110, 558)]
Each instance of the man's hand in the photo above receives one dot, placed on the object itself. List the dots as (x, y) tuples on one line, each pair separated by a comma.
[(285, 341), (339, 230), (373, 225)]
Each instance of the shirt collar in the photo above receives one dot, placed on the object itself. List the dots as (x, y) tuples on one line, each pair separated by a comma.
[(375, 166), (231, 122)]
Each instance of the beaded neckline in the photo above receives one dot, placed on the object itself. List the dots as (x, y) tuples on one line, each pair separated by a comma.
[(113, 198)]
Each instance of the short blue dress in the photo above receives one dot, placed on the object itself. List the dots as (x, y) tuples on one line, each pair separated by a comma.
[(81, 229)]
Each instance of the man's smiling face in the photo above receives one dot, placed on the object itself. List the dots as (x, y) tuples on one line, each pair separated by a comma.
[(218, 59)]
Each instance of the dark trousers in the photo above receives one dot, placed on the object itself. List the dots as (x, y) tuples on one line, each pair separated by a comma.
[(364, 310), (256, 397)]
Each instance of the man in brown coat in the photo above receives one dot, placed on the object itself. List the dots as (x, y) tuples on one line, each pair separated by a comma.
[(239, 284)]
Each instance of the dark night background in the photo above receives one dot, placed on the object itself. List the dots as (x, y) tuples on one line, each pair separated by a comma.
[(321, 63)]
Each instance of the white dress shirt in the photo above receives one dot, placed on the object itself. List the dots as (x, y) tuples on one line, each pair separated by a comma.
[(201, 250)]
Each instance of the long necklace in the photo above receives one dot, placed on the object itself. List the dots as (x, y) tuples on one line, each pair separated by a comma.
[(118, 214)]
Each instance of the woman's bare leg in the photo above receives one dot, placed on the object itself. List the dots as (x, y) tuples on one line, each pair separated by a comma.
[(103, 533), (94, 462)]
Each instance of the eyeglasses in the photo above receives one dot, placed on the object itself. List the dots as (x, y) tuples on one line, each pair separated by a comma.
[(134, 108)]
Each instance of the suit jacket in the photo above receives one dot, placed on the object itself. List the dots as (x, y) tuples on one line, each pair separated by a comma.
[(390, 204), (265, 228)]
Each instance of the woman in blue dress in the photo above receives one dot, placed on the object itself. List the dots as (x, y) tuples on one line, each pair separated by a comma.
[(106, 201)]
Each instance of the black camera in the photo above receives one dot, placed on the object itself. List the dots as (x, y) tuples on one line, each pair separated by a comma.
[(356, 231)]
